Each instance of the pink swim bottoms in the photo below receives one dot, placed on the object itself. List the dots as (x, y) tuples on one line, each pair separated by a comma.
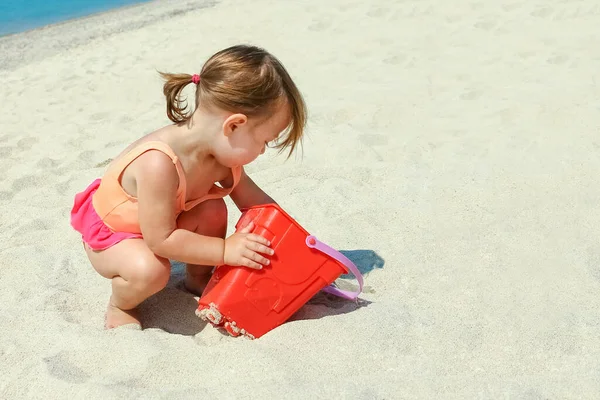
[(86, 221)]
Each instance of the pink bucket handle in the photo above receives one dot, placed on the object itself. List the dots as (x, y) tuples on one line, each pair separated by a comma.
[(314, 243)]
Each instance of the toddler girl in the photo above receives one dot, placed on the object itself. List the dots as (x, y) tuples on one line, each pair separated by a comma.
[(159, 201)]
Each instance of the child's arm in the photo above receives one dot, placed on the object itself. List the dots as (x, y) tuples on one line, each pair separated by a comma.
[(247, 193), (157, 183)]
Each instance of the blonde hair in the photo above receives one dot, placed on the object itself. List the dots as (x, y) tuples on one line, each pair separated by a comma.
[(244, 79)]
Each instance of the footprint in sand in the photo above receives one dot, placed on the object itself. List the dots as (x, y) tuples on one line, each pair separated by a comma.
[(453, 19), (429, 10), (29, 181), (558, 59), (114, 143), (471, 94), (61, 367), (542, 12), (85, 158), (512, 6), (373, 139), (6, 196), (486, 25), (60, 288), (526, 55), (377, 12), (395, 60), (476, 5), (99, 116), (346, 6), (27, 143), (47, 163), (63, 187), (343, 116), (319, 26), (33, 226), (51, 166), (104, 163), (6, 152), (126, 119)]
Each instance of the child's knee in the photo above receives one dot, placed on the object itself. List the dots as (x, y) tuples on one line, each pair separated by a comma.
[(216, 212), (207, 218), (150, 273), (212, 218)]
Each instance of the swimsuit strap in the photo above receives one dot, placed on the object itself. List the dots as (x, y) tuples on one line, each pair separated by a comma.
[(216, 192), (117, 169)]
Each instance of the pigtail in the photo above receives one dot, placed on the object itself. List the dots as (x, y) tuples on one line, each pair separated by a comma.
[(295, 131), (176, 106), (244, 79)]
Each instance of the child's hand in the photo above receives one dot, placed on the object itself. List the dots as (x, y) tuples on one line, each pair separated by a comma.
[(243, 249)]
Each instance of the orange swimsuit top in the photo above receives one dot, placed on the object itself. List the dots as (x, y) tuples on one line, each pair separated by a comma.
[(119, 210)]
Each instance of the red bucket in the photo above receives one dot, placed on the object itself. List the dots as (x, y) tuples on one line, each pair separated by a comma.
[(252, 302)]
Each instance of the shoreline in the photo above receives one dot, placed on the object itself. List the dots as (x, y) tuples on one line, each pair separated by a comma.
[(46, 41), (451, 152), (36, 26)]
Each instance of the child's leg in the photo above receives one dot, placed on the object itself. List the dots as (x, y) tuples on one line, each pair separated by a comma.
[(136, 274), (208, 218)]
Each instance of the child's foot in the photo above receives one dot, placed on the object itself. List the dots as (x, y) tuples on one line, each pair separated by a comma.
[(116, 317)]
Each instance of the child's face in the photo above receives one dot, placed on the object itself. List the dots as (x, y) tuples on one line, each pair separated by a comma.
[(247, 138)]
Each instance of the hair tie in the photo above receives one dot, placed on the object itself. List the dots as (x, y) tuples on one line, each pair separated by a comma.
[(195, 79)]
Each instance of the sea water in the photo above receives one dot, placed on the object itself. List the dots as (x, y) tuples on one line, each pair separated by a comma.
[(21, 15)]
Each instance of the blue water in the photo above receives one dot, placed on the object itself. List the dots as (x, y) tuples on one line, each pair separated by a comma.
[(21, 15)]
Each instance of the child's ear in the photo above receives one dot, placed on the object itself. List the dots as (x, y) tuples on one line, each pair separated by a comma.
[(233, 122)]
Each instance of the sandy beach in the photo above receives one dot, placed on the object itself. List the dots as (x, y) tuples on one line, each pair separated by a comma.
[(451, 152)]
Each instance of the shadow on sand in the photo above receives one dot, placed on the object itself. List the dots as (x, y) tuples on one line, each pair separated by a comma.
[(172, 309), (325, 305)]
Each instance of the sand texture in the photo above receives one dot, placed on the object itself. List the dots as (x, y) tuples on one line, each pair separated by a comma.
[(451, 152)]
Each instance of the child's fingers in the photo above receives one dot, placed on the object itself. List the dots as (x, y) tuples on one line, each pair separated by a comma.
[(258, 239), (248, 228), (246, 262), (259, 248), (254, 256)]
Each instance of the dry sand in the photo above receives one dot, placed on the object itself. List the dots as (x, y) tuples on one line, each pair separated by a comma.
[(458, 141)]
